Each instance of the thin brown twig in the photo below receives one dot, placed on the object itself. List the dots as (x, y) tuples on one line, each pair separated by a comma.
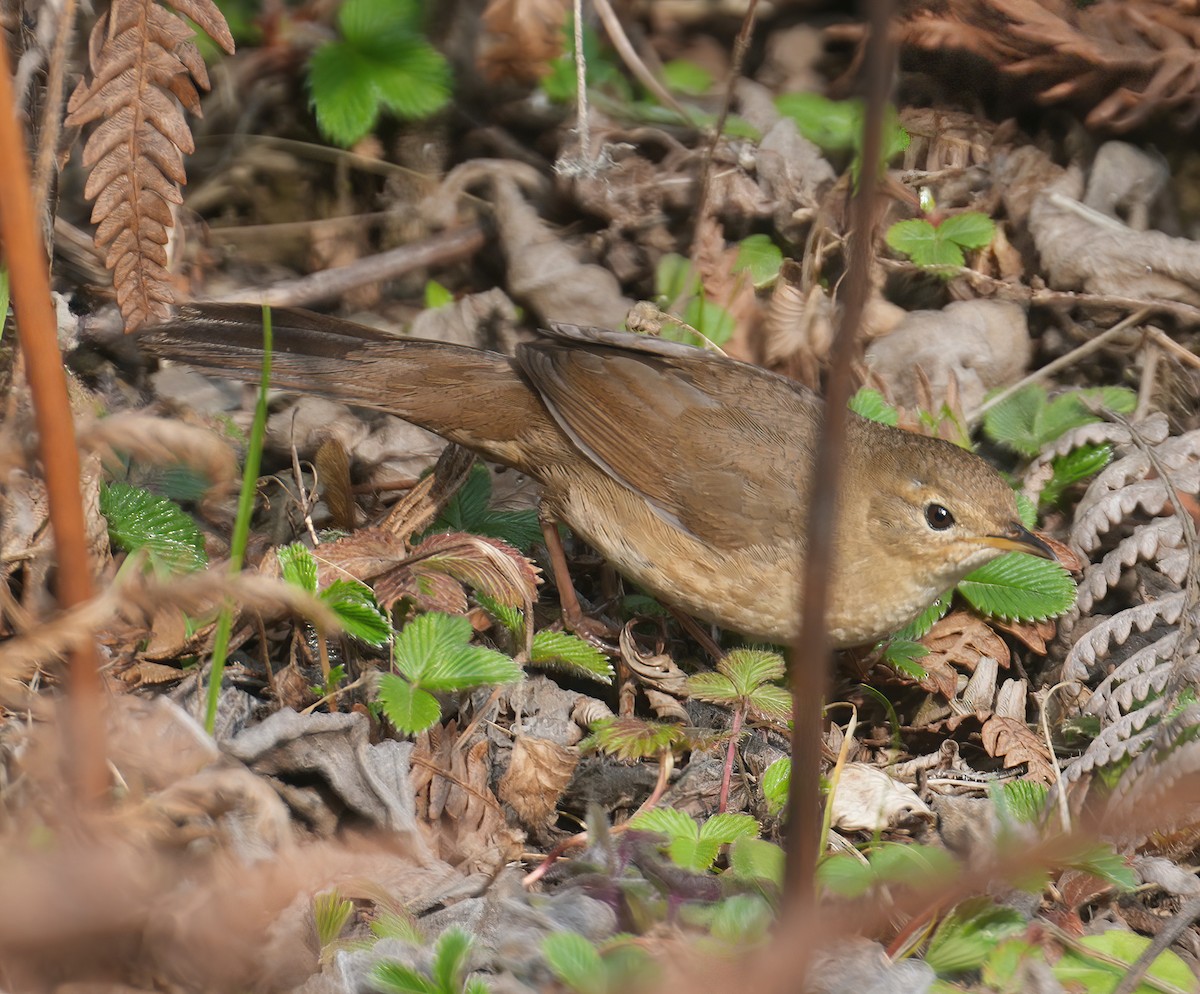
[(45, 169), (811, 651), (629, 55), (447, 246), (740, 45)]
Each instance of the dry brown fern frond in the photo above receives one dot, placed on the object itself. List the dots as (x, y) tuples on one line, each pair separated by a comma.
[(144, 65), (1146, 579), (1124, 60)]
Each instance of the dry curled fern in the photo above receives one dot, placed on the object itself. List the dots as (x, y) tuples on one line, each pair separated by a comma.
[(1147, 648), (1126, 59), (144, 65)]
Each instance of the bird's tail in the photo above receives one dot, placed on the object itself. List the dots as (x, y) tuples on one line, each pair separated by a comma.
[(469, 396)]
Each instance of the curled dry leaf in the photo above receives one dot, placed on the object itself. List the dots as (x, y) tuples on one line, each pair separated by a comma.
[(162, 441), (868, 800), (522, 38), (133, 601), (465, 824), (958, 641), (1015, 742), (537, 775)]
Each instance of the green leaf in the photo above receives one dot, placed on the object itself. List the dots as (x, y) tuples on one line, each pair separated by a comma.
[(434, 651), (1106, 863), (967, 936), (715, 688), (1076, 466), (711, 320), (1026, 510), (741, 919), (380, 62), (331, 913), (911, 864), (921, 241), (675, 278), (1016, 421), (691, 847), (728, 827), (902, 655), (469, 511), (1070, 410), (299, 566), (1005, 966), (396, 978), (868, 403), (343, 93), (1019, 801), (562, 650), (761, 257), (1020, 587), (1026, 422), (971, 229), (409, 708), (359, 612), (1095, 976), (671, 822), (602, 72), (776, 783), (845, 875), (920, 625), (771, 701), (450, 960), (512, 618), (756, 859), (632, 738), (750, 668), (141, 521), (436, 295), (830, 124), (366, 21), (413, 79), (394, 925), (575, 962), (685, 76)]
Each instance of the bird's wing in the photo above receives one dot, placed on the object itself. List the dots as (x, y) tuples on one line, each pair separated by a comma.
[(722, 449)]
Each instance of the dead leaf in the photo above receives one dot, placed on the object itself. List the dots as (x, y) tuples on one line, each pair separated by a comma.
[(537, 774), (868, 800), (1016, 743), (959, 639)]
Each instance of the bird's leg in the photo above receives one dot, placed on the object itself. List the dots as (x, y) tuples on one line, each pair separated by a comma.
[(590, 629)]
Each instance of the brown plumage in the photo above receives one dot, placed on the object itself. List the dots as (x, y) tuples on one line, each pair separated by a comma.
[(688, 471)]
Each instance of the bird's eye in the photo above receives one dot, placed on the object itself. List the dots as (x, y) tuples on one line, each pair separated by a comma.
[(938, 517)]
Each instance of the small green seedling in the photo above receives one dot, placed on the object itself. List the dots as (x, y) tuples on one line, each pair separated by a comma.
[(433, 654), (447, 974), (692, 846), (934, 247), (381, 62)]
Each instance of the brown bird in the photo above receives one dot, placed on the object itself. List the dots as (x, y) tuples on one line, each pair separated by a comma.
[(688, 471)]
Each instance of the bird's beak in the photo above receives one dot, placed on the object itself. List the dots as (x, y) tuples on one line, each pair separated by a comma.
[(1017, 538)]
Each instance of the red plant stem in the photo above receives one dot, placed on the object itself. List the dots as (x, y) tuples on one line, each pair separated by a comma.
[(726, 774), (26, 258)]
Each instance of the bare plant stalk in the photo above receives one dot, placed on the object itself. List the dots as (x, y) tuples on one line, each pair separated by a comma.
[(740, 45), (25, 256), (811, 652), (582, 124)]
